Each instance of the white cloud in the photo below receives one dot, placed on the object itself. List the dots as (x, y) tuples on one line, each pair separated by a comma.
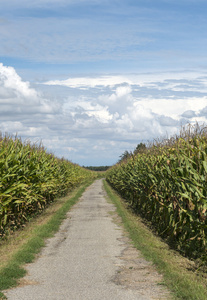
[(10, 80), (174, 108), (96, 125), (101, 113), (90, 82), (18, 98)]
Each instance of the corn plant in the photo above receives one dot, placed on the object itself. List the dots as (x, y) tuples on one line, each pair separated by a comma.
[(31, 178), (167, 185)]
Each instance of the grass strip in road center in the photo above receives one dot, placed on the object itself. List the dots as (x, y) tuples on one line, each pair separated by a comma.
[(14, 270), (178, 272)]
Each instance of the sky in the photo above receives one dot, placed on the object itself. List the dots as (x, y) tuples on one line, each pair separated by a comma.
[(91, 79)]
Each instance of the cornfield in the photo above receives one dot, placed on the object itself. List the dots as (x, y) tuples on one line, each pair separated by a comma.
[(167, 185), (31, 178)]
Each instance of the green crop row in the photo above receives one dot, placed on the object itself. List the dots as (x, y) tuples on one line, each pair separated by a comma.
[(167, 185), (30, 178)]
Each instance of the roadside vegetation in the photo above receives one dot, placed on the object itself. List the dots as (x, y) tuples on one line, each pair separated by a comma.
[(100, 168), (160, 191), (181, 275), (22, 246), (33, 182), (166, 183), (31, 179)]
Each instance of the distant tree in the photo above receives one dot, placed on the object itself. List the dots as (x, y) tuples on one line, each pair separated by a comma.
[(100, 168), (140, 148), (125, 156)]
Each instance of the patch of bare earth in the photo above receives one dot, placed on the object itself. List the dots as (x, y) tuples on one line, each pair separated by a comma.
[(138, 274), (22, 282)]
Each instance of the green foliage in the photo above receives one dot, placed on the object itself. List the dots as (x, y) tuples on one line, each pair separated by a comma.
[(30, 179), (126, 155), (26, 253), (167, 184), (140, 148), (178, 275)]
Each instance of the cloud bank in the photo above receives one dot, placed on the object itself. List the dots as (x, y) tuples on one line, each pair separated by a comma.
[(96, 119)]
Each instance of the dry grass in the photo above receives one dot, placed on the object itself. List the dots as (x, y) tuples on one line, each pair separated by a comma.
[(11, 244)]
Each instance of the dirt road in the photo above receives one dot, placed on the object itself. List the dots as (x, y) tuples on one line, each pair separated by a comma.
[(90, 258)]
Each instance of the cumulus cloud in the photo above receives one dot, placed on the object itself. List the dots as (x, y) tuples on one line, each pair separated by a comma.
[(22, 108), (95, 125), (189, 114), (18, 96), (10, 80)]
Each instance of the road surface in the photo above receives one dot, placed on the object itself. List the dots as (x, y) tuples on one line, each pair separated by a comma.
[(90, 258)]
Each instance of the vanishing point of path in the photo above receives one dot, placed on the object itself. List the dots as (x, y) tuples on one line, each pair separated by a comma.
[(90, 258)]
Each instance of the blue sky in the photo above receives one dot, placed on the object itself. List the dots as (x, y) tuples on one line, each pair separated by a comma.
[(91, 78)]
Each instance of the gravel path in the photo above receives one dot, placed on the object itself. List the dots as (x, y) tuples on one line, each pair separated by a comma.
[(90, 258)]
